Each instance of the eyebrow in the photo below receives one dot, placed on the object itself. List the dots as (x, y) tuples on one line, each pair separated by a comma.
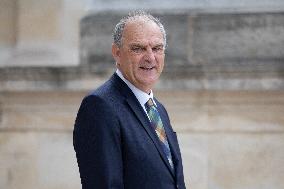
[(141, 45), (136, 44), (159, 45)]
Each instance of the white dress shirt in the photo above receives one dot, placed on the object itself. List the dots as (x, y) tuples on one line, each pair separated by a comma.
[(141, 96)]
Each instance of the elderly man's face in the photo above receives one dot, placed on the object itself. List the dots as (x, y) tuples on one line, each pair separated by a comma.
[(141, 56)]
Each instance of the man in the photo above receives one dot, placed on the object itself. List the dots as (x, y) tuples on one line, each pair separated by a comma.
[(122, 135)]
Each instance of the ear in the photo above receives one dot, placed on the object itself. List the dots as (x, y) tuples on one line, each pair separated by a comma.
[(115, 52)]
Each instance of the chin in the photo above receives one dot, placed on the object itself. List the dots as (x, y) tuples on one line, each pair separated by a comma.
[(149, 84)]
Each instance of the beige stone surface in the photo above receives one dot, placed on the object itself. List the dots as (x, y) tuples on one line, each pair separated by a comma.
[(40, 32), (227, 139), (195, 156), (233, 160), (238, 161), (8, 33), (40, 111), (189, 111), (18, 160), (8, 20), (57, 164), (39, 20), (231, 111), (38, 160), (49, 21)]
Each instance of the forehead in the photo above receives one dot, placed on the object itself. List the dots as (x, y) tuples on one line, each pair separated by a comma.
[(141, 30)]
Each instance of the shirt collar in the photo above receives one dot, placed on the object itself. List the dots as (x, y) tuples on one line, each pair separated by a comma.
[(141, 96)]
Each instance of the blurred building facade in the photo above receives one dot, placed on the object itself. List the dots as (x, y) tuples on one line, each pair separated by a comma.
[(223, 86)]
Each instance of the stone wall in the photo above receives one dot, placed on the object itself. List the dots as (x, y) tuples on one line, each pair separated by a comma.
[(228, 139), (39, 33), (192, 5), (222, 85), (221, 51)]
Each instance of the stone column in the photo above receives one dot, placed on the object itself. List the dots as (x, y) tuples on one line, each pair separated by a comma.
[(8, 21), (45, 33)]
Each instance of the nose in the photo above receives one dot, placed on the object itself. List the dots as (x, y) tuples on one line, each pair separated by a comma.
[(150, 55)]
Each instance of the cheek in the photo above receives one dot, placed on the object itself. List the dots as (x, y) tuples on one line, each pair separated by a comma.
[(126, 62), (136, 62), (160, 62)]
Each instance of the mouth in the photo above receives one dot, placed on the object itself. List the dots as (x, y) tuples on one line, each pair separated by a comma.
[(146, 67)]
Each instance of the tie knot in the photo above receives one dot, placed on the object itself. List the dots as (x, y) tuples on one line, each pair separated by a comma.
[(150, 102)]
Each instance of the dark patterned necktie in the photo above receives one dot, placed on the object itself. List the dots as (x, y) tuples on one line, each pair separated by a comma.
[(156, 123)]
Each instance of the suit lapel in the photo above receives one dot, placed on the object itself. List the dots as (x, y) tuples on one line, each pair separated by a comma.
[(139, 112), (141, 116), (171, 139)]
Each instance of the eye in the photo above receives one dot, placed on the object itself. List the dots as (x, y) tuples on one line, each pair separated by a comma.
[(137, 49), (158, 49)]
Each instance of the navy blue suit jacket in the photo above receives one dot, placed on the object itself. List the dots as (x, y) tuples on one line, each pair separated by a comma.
[(115, 146)]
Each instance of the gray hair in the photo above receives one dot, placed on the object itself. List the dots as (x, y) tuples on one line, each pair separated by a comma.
[(119, 28)]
